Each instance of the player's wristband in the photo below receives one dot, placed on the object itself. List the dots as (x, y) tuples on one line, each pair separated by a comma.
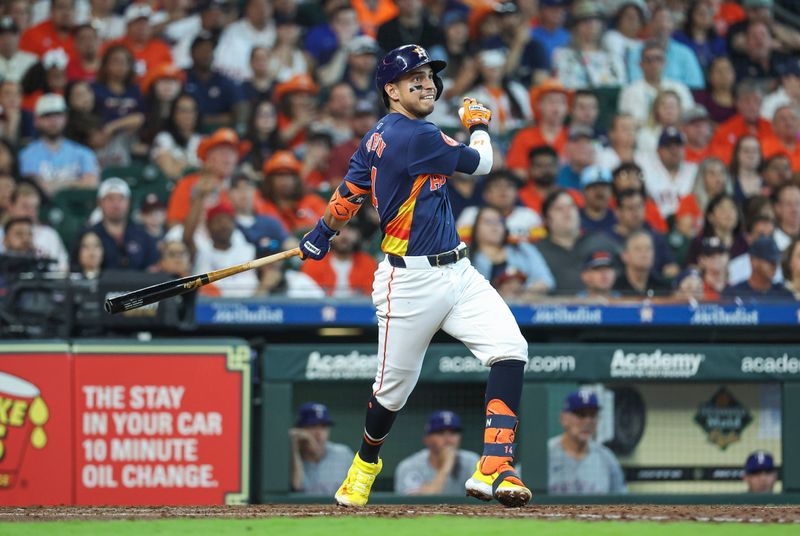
[(325, 230), (479, 126)]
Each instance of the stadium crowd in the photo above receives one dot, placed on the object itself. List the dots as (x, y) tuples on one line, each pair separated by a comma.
[(644, 148)]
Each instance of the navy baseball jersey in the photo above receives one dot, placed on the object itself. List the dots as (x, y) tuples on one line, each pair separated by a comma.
[(406, 163)]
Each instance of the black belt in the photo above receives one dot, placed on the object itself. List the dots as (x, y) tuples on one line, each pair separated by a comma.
[(442, 259)]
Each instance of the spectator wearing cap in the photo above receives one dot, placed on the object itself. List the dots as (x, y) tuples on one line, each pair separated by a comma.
[(318, 465), (26, 202), (580, 153), (348, 271), (551, 32), (16, 124), (339, 29), (713, 261), (266, 233), (127, 245), (501, 191), (791, 268), (638, 277), (175, 147), (667, 176), (86, 62), (746, 121), (148, 50), (584, 64), (492, 254), (759, 59), (786, 135), (598, 276), (765, 257), (283, 195), (596, 215), (788, 92), (296, 99), (411, 19), (786, 203), (256, 28), (699, 33), (680, 63), (54, 161), (760, 473), (629, 210), (549, 103), (723, 220), (14, 63), (152, 216), (220, 154), (578, 464), (637, 97), (508, 99), (442, 467), (52, 33), (625, 32), (698, 130), (47, 76), (510, 284), (217, 95)]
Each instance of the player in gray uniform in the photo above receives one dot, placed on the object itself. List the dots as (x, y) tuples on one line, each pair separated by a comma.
[(318, 465), (579, 465), (441, 468)]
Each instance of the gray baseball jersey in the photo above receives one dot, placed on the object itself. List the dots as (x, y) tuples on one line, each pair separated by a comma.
[(416, 471), (325, 477), (598, 472)]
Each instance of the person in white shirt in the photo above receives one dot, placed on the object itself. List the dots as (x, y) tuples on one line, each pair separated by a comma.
[(14, 63), (626, 27), (637, 98), (232, 56), (667, 176), (788, 93), (786, 203), (622, 142)]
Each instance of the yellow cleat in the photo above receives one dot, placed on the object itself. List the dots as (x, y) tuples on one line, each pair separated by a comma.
[(354, 491), (503, 485)]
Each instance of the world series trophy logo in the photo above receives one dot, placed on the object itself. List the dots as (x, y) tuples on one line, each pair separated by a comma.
[(23, 414)]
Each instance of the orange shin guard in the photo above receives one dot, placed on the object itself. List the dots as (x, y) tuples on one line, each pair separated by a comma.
[(498, 439)]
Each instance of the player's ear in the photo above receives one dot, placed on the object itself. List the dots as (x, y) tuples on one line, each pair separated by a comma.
[(392, 91)]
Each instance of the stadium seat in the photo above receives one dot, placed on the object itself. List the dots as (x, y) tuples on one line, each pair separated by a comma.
[(69, 212)]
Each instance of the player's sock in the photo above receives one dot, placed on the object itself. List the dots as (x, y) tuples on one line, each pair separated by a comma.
[(377, 424), (503, 392)]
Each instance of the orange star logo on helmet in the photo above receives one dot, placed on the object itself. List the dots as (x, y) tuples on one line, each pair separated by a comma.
[(420, 52)]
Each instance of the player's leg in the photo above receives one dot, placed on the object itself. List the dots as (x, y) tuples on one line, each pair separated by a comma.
[(410, 309), (484, 323)]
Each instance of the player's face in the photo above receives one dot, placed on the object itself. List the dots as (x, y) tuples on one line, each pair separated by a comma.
[(762, 482), (579, 426), (439, 441), (413, 94)]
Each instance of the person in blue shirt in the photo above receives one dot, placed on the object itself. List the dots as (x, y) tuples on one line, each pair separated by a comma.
[(764, 259), (266, 233), (551, 32), (580, 152), (217, 95), (425, 281)]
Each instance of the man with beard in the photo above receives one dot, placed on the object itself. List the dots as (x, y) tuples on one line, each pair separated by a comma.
[(347, 271), (127, 246), (578, 463), (53, 161), (542, 172)]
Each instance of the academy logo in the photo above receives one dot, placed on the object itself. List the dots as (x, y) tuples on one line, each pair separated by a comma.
[(352, 366), (771, 365), (549, 364), (656, 364)]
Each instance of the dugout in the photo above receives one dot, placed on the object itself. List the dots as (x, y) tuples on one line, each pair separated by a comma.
[(681, 417)]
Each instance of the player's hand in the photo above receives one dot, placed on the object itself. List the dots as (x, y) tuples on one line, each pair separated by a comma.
[(474, 114), (316, 243)]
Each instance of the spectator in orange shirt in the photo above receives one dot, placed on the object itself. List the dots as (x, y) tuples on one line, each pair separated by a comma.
[(746, 121), (283, 195), (373, 13), (698, 131), (348, 271), (148, 50), (786, 129), (297, 108), (550, 104), (84, 65), (53, 33), (220, 153)]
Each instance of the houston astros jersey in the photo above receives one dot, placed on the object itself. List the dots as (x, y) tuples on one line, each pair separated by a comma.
[(406, 164)]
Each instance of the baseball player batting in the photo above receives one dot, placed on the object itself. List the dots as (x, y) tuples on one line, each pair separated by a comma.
[(426, 282)]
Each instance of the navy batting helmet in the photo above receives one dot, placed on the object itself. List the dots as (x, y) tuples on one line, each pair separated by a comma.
[(402, 60)]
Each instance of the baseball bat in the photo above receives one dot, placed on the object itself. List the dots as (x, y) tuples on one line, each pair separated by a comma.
[(176, 287)]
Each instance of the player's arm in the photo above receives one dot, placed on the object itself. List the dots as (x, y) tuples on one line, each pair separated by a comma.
[(478, 157)]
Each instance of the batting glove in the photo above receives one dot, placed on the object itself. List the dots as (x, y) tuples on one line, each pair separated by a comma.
[(316, 243), (474, 116)]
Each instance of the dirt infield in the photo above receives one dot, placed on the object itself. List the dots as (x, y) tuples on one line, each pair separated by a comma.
[(697, 513)]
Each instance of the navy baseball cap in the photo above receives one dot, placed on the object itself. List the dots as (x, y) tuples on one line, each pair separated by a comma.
[(598, 259), (765, 248), (443, 420), (581, 399), (670, 136), (711, 245), (312, 414), (553, 3), (758, 462)]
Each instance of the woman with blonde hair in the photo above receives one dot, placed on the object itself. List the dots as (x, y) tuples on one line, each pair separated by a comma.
[(665, 112)]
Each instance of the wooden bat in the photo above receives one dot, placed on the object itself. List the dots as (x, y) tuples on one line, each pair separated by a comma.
[(176, 287)]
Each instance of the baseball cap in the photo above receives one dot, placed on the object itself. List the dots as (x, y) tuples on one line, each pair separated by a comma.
[(711, 245), (55, 58), (789, 68), (150, 203), (7, 24), (137, 11), (443, 420), (113, 185), (599, 258), (594, 175), (282, 161), (697, 112), (363, 44), (759, 461), (553, 3), (581, 132), (753, 4), (509, 274), (765, 248), (220, 209), (313, 413), (670, 136), (50, 103), (581, 399), (587, 9), (203, 37), (493, 57), (453, 16)]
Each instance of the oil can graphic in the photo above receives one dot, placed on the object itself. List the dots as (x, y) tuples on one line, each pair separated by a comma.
[(23, 415)]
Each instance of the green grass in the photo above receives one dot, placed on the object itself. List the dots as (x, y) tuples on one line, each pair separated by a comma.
[(351, 526)]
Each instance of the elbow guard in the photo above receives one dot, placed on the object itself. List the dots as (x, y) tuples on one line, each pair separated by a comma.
[(481, 142), (346, 200)]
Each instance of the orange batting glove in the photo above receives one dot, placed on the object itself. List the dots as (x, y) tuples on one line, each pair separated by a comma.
[(473, 114)]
